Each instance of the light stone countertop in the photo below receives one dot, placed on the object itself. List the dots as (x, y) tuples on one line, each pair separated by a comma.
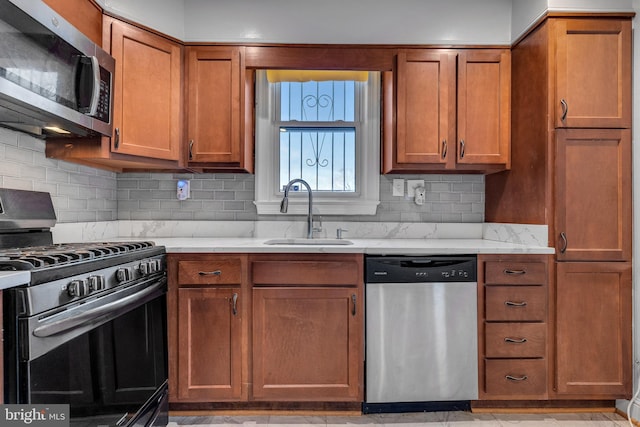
[(364, 246), (10, 279)]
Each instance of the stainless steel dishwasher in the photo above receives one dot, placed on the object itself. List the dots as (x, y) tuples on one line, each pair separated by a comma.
[(421, 333)]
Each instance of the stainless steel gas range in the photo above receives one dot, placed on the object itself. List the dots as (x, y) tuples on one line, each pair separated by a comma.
[(89, 329)]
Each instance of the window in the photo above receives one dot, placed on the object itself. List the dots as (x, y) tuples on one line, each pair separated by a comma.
[(325, 130)]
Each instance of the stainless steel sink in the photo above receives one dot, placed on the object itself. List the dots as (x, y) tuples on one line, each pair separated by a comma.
[(317, 242)]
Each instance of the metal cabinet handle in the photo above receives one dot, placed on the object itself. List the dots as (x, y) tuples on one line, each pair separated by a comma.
[(353, 301), (515, 304), (210, 273), (563, 236), (565, 109), (514, 272), (234, 304), (191, 149), (515, 340), (116, 142), (512, 378), (444, 148), (461, 148)]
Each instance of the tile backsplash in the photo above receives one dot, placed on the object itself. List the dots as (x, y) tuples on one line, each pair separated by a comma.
[(85, 194), (79, 193)]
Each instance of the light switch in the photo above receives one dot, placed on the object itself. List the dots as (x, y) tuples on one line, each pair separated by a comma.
[(398, 187)]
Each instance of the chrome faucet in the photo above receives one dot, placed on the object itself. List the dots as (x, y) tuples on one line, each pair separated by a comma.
[(284, 205)]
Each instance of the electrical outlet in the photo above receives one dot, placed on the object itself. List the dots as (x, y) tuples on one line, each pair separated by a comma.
[(398, 187)]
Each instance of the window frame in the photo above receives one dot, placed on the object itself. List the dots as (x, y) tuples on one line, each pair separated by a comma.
[(364, 201)]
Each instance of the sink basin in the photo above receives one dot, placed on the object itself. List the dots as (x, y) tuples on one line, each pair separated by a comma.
[(315, 242)]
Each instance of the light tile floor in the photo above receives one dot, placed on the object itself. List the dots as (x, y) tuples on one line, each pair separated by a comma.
[(427, 419)]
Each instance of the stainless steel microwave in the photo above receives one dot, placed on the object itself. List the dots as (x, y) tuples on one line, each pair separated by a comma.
[(54, 81)]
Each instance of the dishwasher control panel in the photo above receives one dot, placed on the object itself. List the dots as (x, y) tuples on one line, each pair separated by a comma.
[(420, 269)]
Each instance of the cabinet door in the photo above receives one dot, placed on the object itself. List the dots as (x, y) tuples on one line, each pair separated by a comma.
[(85, 15), (209, 344), (484, 112), (425, 109), (147, 99), (593, 73), (593, 329), (593, 195), (307, 344), (214, 105)]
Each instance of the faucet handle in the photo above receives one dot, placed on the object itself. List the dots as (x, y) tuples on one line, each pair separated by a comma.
[(339, 232)]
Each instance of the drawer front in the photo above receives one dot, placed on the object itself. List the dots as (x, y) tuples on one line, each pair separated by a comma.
[(515, 377), (516, 303), (515, 339), (515, 273), (224, 271), (325, 273)]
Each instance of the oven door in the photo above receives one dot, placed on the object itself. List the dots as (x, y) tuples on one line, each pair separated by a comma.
[(106, 358)]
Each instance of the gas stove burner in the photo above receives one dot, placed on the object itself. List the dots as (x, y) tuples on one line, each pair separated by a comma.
[(50, 262)]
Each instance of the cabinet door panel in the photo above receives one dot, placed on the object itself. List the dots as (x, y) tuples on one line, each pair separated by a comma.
[(593, 329), (307, 344), (425, 108), (209, 344), (147, 99), (593, 73), (483, 107), (593, 195), (214, 104)]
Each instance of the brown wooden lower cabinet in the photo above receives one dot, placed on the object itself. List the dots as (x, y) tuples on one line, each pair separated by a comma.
[(209, 344), (306, 344), (593, 330), (249, 330)]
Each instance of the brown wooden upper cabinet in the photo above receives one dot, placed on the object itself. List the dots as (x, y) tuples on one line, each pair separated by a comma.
[(216, 109), (147, 97), (439, 127), (593, 73), (85, 15), (593, 194)]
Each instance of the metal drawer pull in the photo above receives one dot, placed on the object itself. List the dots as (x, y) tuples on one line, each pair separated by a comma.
[(353, 300), (444, 148), (210, 273), (515, 340), (565, 109), (515, 304), (461, 148), (234, 304), (565, 242), (514, 272), (512, 378), (191, 149)]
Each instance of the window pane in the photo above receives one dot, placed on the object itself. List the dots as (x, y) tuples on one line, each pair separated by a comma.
[(317, 101), (324, 157)]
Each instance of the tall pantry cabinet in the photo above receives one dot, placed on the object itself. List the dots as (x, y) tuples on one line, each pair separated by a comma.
[(571, 170)]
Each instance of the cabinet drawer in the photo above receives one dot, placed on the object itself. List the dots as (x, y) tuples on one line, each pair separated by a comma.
[(516, 377), (516, 303), (515, 273), (224, 271), (515, 339), (326, 273)]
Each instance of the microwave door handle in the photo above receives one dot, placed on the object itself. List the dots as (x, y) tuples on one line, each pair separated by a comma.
[(95, 95)]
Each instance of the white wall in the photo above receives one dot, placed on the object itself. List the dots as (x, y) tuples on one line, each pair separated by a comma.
[(352, 21), (166, 16)]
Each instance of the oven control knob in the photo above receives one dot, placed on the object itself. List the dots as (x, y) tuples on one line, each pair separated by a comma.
[(123, 274), (78, 288), (144, 268), (96, 283)]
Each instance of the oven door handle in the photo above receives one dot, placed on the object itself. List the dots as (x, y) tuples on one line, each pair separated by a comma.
[(113, 309)]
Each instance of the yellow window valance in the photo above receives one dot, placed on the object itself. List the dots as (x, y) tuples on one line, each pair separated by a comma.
[(276, 76)]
